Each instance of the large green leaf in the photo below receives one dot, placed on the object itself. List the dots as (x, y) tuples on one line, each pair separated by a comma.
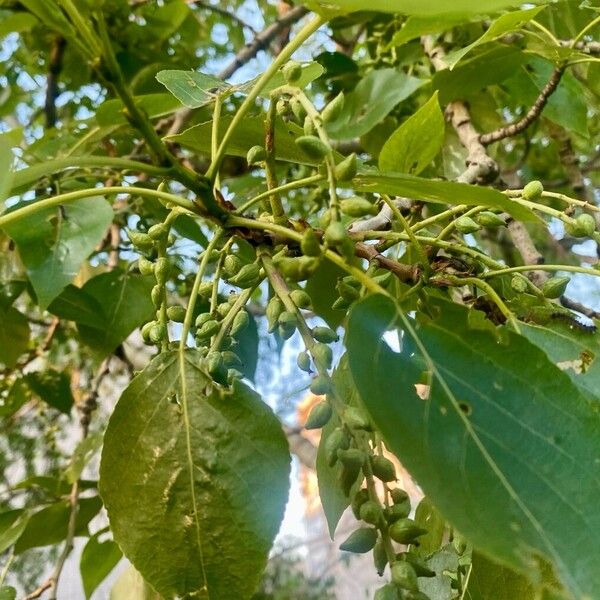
[(444, 192), (250, 132), (12, 524), (371, 101), (53, 243), (575, 351), (98, 559), (413, 7), (50, 524), (14, 335), (417, 26), (112, 112), (490, 580), (195, 480), (416, 142), (505, 23), (53, 387), (505, 444), (126, 304)]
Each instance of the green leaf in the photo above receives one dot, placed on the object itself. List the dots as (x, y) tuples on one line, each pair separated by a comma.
[(18, 395), (98, 559), (112, 112), (202, 471), (126, 304), (49, 525), (192, 88), (132, 586), (575, 352), (445, 563), (14, 336), (7, 593), (371, 101), (413, 7), (73, 304), (491, 580), (12, 524), (6, 167), (195, 89), (323, 294), (428, 517), (511, 21), (417, 26), (250, 132), (53, 387), (488, 68), (53, 243), (444, 192), (247, 348), (416, 142), (501, 443), (83, 453)]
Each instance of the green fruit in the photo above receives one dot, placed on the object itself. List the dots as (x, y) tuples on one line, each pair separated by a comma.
[(519, 284), (387, 592), (158, 232), (214, 363), (320, 385), (146, 330), (287, 324), (332, 110), (406, 531), (325, 219), (383, 468), (297, 109), (141, 241), (205, 289), (358, 500), (300, 298), (282, 107), (360, 541), (292, 71), (145, 266), (247, 277), (335, 233), (156, 295), (273, 310), (358, 207), (176, 313), (157, 333), (397, 511), (404, 576), (309, 126), (490, 219), (255, 155), (352, 457), (162, 270), (233, 374), (310, 244), (324, 335), (313, 146), (322, 355), (371, 513), (296, 269), (231, 359), (555, 287), (201, 319), (532, 190), (240, 322), (466, 225), (223, 309), (336, 440), (207, 330), (356, 419), (398, 496), (340, 304), (347, 292), (303, 362), (231, 265), (319, 416), (586, 224), (380, 557), (347, 168)]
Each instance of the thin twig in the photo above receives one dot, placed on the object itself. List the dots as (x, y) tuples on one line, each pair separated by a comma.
[(580, 308), (55, 64), (224, 13), (532, 114)]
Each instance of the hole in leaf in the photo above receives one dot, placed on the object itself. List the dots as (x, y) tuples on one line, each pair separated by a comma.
[(465, 407)]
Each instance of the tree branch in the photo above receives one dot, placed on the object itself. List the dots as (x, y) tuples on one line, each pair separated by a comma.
[(532, 114), (55, 65)]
